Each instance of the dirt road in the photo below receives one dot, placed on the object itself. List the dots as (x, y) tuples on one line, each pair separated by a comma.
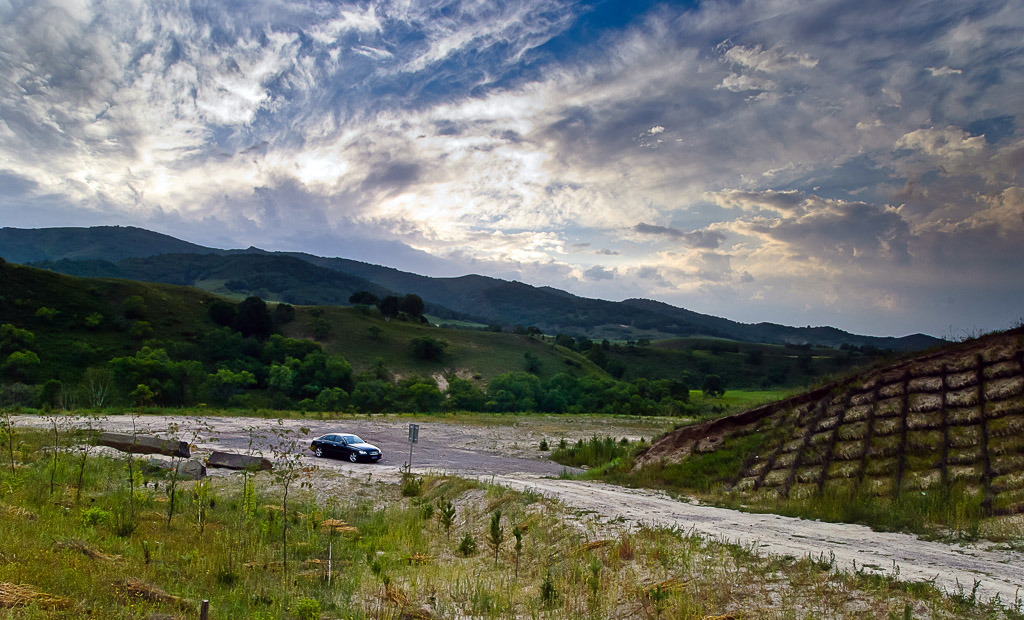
[(506, 453)]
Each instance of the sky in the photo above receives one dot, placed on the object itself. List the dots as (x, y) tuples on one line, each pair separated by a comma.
[(850, 163)]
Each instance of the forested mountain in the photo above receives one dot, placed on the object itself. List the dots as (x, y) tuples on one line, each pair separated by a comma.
[(300, 278)]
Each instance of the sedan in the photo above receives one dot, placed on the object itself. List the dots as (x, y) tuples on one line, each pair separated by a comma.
[(346, 446)]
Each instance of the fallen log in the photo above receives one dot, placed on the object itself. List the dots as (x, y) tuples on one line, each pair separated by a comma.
[(230, 460), (141, 444)]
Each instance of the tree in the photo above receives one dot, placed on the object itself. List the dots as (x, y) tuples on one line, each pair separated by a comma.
[(445, 514), (532, 362), (496, 536), (517, 532), (134, 307), (47, 314), (427, 348), (318, 325), (363, 298), (412, 305), (94, 320), (463, 395), (254, 318), (95, 386), (223, 313), (514, 391), (419, 395), (14, 338), (21, 364), (714, 386), (284, 314), (389, 307), (288, 469), (373, 396)]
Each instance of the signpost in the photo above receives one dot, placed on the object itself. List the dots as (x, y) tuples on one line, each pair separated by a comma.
[(414, 436)]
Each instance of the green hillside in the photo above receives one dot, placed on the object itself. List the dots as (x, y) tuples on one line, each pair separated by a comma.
[(932, 443), (55, 330), (125, 253)]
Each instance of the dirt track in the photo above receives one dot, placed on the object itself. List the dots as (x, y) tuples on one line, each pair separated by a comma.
[(506, 454)]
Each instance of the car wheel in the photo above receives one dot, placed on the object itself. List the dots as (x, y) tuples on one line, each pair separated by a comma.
[(352, 457), (319, 451)]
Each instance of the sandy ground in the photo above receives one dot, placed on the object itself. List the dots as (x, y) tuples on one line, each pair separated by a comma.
[(506, 453)]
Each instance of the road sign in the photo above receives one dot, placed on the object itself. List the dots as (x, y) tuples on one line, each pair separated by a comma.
[(414, 436)]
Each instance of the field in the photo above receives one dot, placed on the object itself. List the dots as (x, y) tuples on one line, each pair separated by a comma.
[(301, 543)]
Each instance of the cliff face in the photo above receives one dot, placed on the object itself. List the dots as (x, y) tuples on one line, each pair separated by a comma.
[(952, 418)]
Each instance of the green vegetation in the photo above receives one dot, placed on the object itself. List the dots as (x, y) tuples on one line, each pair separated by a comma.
[(368, 552), (298, 278), (930, 445), (105, 342), (595, 452)]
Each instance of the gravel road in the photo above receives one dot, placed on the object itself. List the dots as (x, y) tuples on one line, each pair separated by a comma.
[(507, 454)]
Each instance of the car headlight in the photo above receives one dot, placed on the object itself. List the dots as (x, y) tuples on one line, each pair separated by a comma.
[(362, 452)]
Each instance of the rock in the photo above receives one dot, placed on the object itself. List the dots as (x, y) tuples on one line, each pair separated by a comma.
[(230, 460), (191, 469), (141, 444)]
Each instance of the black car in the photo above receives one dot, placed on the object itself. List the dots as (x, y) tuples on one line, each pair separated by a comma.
[(346, 446)]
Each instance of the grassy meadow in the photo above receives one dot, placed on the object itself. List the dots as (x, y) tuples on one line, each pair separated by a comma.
[(84, 538)]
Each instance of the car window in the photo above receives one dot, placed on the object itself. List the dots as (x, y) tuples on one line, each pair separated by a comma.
[(352, 439)]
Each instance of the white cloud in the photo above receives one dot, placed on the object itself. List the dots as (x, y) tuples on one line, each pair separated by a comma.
[(773, 60)]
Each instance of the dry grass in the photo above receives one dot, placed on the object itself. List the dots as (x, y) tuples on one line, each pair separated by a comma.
[(20, 595)]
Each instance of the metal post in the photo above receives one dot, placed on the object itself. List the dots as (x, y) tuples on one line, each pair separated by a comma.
[(204, 610), (414, 436)]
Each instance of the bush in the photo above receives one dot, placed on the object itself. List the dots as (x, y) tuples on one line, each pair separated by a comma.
[(467, 546), (427, 348), (307, 609), (96, 516), (592, 453), (411, 485)]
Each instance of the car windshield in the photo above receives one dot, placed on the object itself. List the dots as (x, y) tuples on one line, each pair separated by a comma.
[(351, 439)]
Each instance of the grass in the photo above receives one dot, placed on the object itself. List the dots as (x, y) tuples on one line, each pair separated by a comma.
[(361, 550)]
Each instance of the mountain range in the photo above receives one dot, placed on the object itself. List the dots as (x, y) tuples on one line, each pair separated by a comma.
[(305, 279)]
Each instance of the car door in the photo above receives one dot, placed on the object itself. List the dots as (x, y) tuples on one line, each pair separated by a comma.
[(343, 448), (331, 445)]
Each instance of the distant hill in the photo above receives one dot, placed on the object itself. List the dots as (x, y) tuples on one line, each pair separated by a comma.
[(135, 253), (110, 243), (178, 319)]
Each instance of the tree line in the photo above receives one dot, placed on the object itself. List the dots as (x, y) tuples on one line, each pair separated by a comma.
[(246, 363)]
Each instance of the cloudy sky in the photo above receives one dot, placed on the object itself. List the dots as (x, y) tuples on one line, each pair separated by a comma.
[(851, 163)]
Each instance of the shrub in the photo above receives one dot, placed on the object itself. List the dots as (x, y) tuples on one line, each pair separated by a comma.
[(427, 348), (95, 516), (548, 593), (411, 485), (467, 546), (307, 609)]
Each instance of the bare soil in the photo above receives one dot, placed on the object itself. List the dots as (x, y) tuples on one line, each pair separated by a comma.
[(504, 451)]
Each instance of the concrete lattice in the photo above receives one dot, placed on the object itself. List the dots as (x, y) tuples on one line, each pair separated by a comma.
[(951, 418)]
